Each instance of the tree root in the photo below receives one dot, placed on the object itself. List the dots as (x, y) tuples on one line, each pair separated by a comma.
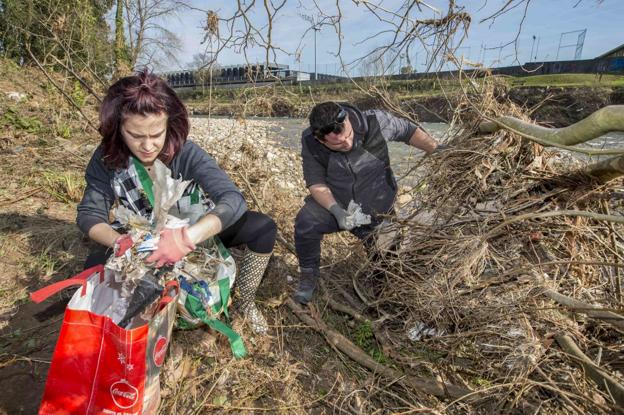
[(340, 307), (593, 371), (340, 342)]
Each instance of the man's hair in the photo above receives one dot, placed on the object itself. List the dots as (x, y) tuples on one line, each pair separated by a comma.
[(142, 94), (323, 114)]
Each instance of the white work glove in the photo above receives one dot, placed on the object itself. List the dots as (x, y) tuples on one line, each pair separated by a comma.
[(342, 217)]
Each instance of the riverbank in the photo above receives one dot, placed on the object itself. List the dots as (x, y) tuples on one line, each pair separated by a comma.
[(559, 105), (469, 302)]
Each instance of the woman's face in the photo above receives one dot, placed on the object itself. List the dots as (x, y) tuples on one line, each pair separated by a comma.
[(145, 135)]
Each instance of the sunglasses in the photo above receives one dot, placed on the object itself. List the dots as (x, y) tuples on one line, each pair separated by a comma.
[(335, 126)]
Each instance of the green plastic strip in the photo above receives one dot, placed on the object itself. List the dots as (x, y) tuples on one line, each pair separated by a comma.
[(146, 180), (224, 291), (195, 196), (195, 307)]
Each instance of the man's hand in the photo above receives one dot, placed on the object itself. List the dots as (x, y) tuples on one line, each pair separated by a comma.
[(341, 216), (439, 148), (174, 244)]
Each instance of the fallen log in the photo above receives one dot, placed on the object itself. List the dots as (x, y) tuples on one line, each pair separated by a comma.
[(606, 170), (603, 121)]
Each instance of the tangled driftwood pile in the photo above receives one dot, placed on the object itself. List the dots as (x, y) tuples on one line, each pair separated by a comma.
[(506, 278), (500, 289)]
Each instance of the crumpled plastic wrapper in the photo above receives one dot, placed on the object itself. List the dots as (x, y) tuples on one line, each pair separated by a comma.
[(167, 191), (355, 215), (387, 236), (420, 331), (145, 233), (203, 261)]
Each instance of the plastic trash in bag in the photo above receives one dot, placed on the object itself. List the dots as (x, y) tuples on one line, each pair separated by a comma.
[(145, 293), (141, 283)]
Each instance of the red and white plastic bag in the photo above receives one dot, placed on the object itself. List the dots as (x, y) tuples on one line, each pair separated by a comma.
[(98, 367)]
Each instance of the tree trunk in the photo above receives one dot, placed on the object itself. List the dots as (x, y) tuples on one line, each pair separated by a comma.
[(605, 120), (607, 169), (121, 51)]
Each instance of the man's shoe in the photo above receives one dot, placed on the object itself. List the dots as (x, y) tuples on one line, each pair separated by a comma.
[(307, 284)]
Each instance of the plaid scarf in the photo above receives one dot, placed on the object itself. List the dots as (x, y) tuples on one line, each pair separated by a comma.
[(129, 192)]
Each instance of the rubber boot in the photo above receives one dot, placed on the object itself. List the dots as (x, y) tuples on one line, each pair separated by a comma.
[(308, 278), (252, 269)]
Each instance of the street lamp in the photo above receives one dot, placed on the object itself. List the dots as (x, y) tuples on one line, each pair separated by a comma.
[(315, 26)]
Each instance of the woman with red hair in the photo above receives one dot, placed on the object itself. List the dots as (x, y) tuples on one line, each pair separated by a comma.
[(142, 120)]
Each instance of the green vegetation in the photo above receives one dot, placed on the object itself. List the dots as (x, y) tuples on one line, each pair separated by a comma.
[(573, 80), (12, 117), (63, 130), (58, 31), (78, 94), (365, 339), (44, 265), (65, 186)]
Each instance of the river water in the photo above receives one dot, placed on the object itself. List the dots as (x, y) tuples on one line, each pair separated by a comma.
[(287, 131)]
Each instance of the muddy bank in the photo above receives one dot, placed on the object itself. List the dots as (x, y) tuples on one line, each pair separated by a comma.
[(555, 106)]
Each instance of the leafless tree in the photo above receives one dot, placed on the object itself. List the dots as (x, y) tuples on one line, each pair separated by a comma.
[(150, 42)]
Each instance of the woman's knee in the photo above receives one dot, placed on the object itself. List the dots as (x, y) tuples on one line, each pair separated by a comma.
[(265, 233)]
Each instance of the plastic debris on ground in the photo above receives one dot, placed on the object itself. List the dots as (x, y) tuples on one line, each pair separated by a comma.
[(420, 331)]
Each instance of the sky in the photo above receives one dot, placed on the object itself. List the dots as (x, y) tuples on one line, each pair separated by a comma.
[(547, 20)]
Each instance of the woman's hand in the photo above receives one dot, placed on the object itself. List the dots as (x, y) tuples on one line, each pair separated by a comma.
[(174, 244), (207, 227), (122, 244)]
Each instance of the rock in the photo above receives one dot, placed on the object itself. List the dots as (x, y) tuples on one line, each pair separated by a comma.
[(404, 199), (16, 96), (88, 148)]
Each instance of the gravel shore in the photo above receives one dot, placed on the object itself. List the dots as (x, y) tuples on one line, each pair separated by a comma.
[(233, 142)]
